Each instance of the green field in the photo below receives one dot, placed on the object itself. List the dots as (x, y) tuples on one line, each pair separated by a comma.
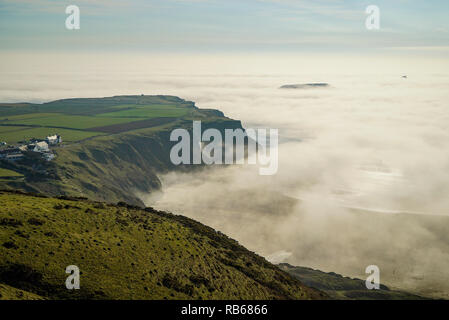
[(40, 120), (26, 133), (6, 119), (8, 129), (68, 121), (146, 111)]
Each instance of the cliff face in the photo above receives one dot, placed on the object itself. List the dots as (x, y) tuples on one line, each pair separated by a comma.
[(113, 168)]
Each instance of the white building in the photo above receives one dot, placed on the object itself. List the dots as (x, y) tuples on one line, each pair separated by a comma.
[(41, 147), (11, 154), (54, 139), (14, 157)]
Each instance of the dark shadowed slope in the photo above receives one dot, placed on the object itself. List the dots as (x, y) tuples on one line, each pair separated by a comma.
[(339, 287)]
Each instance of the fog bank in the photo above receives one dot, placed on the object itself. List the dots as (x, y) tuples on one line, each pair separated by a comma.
[(371, 141)]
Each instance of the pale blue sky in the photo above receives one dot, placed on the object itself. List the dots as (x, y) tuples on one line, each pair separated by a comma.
[(223, 25)]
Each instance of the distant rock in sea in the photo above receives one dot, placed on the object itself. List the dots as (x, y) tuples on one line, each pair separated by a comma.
[(304, 86)]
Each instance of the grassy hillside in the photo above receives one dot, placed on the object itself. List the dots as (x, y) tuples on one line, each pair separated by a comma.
[(339, 287), (114, 144), (124, 252), (5, 173)]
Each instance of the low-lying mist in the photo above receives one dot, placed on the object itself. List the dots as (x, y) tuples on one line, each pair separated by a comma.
[(363, 172)]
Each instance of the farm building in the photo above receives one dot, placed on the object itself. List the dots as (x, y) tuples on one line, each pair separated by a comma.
[(54, 139), (41, 147), (11, 154)]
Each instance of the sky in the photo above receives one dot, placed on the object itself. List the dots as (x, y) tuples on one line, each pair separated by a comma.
[(225, 26)]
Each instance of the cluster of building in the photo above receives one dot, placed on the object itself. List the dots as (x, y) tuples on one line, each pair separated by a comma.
[(41, 146)]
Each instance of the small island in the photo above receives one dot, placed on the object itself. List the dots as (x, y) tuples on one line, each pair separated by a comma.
[(304, 85)]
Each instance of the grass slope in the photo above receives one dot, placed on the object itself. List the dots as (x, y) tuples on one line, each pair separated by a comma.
[(8, 173), (125, 252), (11, 293)]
